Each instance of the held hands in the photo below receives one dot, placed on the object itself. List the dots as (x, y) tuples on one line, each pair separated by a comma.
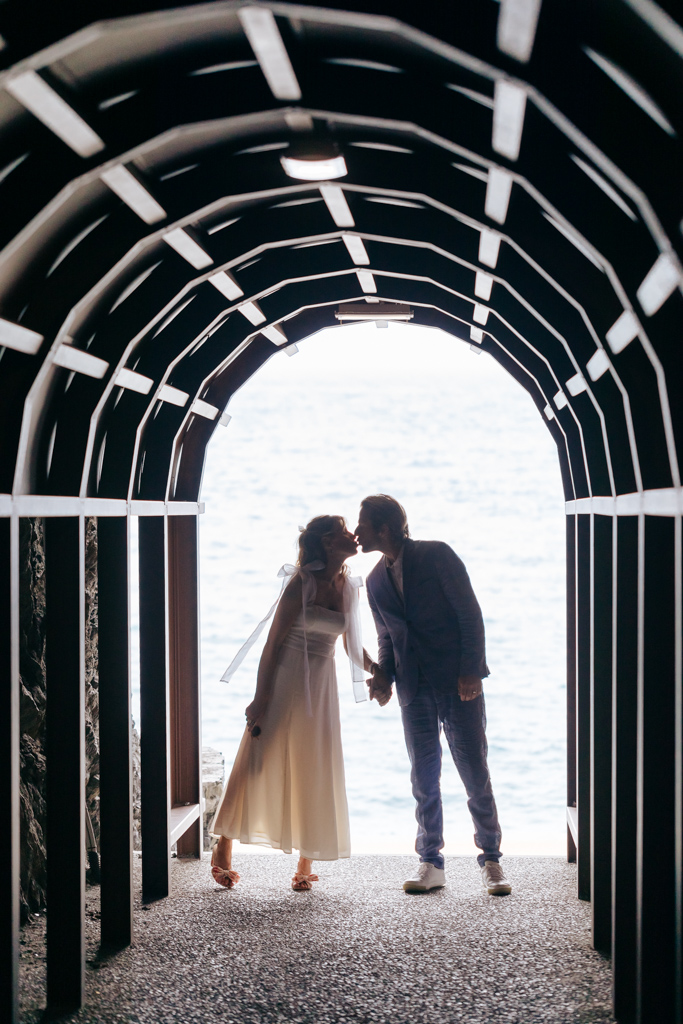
[(380, 686), (469, 687)]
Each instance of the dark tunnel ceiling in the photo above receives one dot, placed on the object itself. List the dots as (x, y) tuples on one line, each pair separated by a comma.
[(531, 207)]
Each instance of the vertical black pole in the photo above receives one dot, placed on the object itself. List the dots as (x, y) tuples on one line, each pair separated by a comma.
[(583, 702), (601, 734), (65, 757), (571, 677), (185, 709), (154, 710), (9, 769), (116, 803), (624, 774), (657, 841)]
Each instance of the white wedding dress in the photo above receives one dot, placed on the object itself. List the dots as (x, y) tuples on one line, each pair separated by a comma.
[(286, 788)]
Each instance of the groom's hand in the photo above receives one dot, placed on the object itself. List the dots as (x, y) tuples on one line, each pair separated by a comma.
[(469, 687), (380, 686)]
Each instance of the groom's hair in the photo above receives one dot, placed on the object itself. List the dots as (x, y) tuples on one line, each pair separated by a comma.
[(384, 510)]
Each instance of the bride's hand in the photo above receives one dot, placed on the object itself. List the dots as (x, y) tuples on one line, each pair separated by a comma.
[(254, 713)]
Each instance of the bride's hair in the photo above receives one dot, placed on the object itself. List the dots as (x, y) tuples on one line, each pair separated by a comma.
[(311, 547)]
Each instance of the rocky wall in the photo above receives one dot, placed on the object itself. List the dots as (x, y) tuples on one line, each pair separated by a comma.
[(32, 676)]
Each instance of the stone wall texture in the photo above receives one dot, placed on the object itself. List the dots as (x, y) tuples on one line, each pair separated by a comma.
[(33, 695)]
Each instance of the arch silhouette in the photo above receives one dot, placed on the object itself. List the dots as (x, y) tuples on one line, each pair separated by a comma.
[(512, 179)]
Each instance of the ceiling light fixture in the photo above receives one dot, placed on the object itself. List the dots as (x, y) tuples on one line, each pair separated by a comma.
[(377, 311), (314, 159)]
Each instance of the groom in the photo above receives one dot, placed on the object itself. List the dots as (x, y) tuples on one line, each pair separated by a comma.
[(431, 641)]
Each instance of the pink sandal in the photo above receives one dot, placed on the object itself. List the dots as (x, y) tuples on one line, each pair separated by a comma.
[(302, 883), (224, 876)]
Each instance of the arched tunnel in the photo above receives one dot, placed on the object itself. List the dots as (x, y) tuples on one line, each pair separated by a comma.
[(506, 171)]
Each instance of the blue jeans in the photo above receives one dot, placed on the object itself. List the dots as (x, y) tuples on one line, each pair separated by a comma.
[(464, 723)]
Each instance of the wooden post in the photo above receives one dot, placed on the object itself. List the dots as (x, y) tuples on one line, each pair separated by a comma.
[(583, 702), (65, 757), (9, 768), (116, 802), (571, 678), (601, 732), (154, 706), (185, 711), (659, 839), (624, 776)]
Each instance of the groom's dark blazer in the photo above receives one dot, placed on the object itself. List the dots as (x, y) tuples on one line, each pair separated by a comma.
[(438, 626)]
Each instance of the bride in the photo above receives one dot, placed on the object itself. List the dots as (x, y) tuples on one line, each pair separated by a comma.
[(286, 789)]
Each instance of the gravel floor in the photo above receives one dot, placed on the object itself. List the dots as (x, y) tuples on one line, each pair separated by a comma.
[(357, 949)]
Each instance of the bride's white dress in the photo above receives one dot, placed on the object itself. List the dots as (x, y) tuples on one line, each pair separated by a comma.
[(286, 788)]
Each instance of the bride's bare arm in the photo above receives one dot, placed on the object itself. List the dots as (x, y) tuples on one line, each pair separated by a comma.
[(285, 616), (367, 660)]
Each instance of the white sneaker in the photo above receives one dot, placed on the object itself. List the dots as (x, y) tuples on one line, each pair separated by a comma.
[(495, 882), (427, 877)]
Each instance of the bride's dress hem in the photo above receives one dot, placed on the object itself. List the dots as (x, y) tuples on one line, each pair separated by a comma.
[(308, 854)]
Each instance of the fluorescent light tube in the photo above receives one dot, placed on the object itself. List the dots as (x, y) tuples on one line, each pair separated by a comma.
[(134, 195), (517, 22), (632, 89), (80, 362), (253, 313), (314, 170), (226, 285), (19, 338), (366, 281), (576, 384), (489, 247), (356, 248), (483, 283), (336, 203), (560, 400), (174, 396), (275, 334), (480, 314), (133, 381), (36, 95), (604, 185), (623, 331), (571, 237), (598, 364), (186, 247), (472, 94), (476, 334), (498, 191), (370, 65), (265, 40), (663, 279), (201, 408), (509, 104)]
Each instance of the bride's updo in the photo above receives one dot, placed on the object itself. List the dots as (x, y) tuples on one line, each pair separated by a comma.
[(311, 548)]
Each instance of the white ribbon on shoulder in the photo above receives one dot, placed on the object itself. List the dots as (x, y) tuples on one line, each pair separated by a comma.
[(309, 588)]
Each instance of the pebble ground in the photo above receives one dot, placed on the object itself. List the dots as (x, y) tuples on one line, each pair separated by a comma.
[(355, 950)]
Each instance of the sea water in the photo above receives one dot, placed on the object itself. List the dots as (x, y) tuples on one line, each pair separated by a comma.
[(414, 413)]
